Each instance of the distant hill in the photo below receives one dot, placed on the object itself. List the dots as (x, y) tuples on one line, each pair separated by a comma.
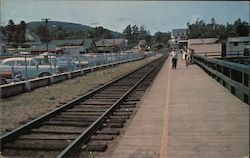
[(52, 24), (66, 25)]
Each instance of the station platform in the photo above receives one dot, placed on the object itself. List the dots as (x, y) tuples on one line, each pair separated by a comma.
[(186, 114)]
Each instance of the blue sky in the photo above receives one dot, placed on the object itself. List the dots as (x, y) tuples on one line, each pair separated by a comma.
[(116, 15)]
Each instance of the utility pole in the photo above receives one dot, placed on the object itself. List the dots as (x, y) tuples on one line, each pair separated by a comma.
[(47, 31)]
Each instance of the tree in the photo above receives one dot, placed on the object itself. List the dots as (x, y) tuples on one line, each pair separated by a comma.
[(99, 33), (200, 29), (43, 33), (16, 33), (242, 28), (22, 29), (135, 33), (10, 30), (144, 35), (127, 33), (162, 37), (197, 30)]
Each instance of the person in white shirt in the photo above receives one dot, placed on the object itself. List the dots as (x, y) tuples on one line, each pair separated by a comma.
[(188, 57), (174, 56), (183, 54)]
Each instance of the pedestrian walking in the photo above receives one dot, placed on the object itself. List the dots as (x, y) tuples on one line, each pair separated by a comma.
[(192, 56), (183, 54), (174, 56), (187, 58)]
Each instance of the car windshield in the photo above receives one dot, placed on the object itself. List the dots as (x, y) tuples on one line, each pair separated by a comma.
[(9, 63), (64, 59), (32, 63), (75, 58), (21, 63)]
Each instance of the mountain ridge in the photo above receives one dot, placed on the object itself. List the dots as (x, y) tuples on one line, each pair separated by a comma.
[(68, 26)]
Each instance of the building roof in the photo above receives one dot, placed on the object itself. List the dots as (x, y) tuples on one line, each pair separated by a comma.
[(89, 43), (203, 40), (110, 42), (238, 39), (67, 42), (183, 41)]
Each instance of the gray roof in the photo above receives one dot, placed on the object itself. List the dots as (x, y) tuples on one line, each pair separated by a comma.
[(110, 42), (67, 42), (89, 43), (203, 40), (238, 39)]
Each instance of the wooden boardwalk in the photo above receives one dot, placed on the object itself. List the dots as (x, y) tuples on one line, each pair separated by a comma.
[(187, 114)]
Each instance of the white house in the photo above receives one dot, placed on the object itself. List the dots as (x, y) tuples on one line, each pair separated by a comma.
[(179, 34), (236, 45), (179, 38)]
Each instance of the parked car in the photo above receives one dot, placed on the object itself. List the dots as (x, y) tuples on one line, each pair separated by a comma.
[(51, 61), (8, 76), (18, 65), (65, 63), (80, 62)]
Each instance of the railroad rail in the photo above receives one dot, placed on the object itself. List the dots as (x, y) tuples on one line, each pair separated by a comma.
[(83, 123)]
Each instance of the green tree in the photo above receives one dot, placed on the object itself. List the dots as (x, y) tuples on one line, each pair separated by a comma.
[(200, 29), (162, 37), (10, 30), (99, 33), (135, 33), (127, 34), (43, 33), (197, 29), (144, 35), (242, 28), (21, 35), (15, 33)]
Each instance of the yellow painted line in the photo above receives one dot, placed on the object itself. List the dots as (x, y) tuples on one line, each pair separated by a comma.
[(164, 140)]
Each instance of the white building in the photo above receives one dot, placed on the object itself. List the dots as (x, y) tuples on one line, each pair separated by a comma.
[(179, 34), (179, 38), (236, 45)]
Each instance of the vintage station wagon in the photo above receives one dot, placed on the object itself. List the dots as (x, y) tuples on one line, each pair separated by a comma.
[(18, 65)]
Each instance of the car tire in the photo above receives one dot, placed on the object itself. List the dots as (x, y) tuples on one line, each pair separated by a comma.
[(3, 81), (44, 74)]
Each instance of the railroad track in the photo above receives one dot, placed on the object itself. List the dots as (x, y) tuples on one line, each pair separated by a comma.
[(83, 124)]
